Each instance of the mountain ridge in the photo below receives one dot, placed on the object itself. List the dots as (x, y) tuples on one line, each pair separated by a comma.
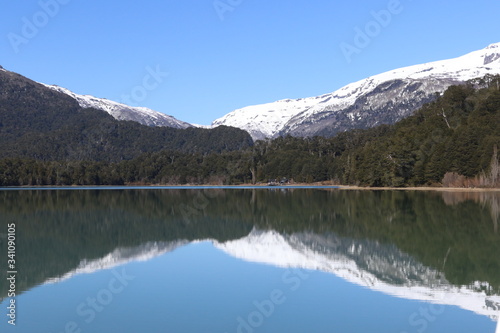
[(382, 98), (40, 123), (120, 111)]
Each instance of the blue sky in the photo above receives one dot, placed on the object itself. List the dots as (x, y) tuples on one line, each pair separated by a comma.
[(226, 54)]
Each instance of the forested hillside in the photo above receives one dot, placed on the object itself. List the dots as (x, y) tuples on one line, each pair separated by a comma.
[(45, 125), (456, 134), (452, 140)]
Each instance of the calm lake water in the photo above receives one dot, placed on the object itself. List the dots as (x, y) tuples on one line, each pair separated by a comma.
[(251, 260)]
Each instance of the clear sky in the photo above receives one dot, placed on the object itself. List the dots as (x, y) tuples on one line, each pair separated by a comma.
[(221, 55)]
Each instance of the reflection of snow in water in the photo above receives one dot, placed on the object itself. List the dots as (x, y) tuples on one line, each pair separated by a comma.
[(121, 256), (492, 305), (382, 268)]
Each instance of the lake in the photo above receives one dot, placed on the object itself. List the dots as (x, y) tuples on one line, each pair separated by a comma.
[(249, 260)]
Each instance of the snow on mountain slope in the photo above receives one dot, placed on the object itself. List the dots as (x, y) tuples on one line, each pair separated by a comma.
[(378, 267), (383, 98), (265, 120), (121, 111)]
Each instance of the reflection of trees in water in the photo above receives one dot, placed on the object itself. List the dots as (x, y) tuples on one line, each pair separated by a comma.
[(488, 199), (59, 229)]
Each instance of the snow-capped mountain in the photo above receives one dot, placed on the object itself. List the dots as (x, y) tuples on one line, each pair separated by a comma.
[(121, 111), (384, 98)]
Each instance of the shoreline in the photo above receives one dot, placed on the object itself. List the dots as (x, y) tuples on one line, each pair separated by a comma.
[(423, 188), (256, 186)]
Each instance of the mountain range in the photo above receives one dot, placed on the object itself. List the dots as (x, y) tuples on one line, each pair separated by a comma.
[(381, 99)]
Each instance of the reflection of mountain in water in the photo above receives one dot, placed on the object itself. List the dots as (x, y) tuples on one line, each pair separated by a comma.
[(410, 241), (120, 256), (367, 263)]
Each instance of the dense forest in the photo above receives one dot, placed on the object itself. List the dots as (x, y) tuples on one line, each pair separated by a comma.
[(40, 124), (452, 141)]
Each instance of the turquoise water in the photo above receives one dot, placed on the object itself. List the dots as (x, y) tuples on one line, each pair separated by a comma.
[(301, 260)]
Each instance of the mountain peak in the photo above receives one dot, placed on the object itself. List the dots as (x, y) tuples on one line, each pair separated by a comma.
[(495, 55), (493, 46)]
